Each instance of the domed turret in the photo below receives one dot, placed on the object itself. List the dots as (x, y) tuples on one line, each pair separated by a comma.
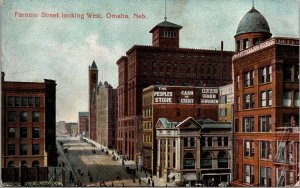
[(252, 30)]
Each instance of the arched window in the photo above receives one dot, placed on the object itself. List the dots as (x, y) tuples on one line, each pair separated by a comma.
[(189, 161), (10, 164), (206, 160), (222, 160), (23, 164), (35, 164)]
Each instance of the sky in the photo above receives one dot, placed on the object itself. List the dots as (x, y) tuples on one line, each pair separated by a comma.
[(61, 49)]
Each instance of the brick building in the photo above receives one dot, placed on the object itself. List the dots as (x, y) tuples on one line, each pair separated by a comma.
[(175, 103), (83, 123), (163, 63), (194, 152), (93, 81), (28, 124), (266, 105), (107, 108)]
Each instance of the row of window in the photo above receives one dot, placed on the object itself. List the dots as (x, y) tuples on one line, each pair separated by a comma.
[(23, 132), (206, 160), (168, 34), (23, 116), (11, 149), (214, 141), (265, 150), (185, 75), (11, 164), (265, 123), (23, 101), (290, 74)]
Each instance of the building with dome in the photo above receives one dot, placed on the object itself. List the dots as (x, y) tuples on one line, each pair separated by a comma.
[(266, 105), (162, 63)]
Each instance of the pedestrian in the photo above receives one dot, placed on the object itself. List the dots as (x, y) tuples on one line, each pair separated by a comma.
[(140, 181), (146, 174), (123, 184), (148, 181), (133, 180), (152, 183), (112, 184)]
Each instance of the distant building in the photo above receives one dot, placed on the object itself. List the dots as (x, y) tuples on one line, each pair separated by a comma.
[(266, 105), (71, 128), (163, 63), (175, 103), (28, 124), (226, 103), (60, 127), (93, 81), (107, 107), (194, 152), (83, 123)]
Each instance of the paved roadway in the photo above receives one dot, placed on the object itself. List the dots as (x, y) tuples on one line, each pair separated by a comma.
[(100, 165)]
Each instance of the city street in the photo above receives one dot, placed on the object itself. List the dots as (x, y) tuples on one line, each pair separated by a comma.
[(81, 161)]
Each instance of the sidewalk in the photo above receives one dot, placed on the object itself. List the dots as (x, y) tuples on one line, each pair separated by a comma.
[(62, 159)]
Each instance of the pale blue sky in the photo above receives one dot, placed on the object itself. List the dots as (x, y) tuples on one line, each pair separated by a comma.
[(62, 49)]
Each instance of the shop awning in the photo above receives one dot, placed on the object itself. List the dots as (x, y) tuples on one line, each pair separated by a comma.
[(190, 177)]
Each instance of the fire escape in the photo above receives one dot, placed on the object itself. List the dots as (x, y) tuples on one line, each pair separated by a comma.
[(284, 157)]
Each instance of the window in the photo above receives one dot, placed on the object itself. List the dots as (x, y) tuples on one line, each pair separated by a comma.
[(222, 160), (225, 141), (11, 148), (209, 141), (30, 101), (296, 99), (35, 133), (23, 116), (223, 112), (287, 98), (265, 176), (35, 117), (249, 174), (202, 140), (287, 72), (249, 148), (35, 164), (249, 124), (219, 141), (269, 97), (11, 132), (11, 116), (37, 101), (185, 142), (223, 99), (263, 75), (23, 132), (17, 101), (239, 103), (23, 149), (269, 78), (238, 82), (263, 98), (35, 149), (249, 101), (192, 142), (10, 101), (249, 78), (24, 101), (206, 160), (10, 164), (265, 123), (189, 161), (265, 150)]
